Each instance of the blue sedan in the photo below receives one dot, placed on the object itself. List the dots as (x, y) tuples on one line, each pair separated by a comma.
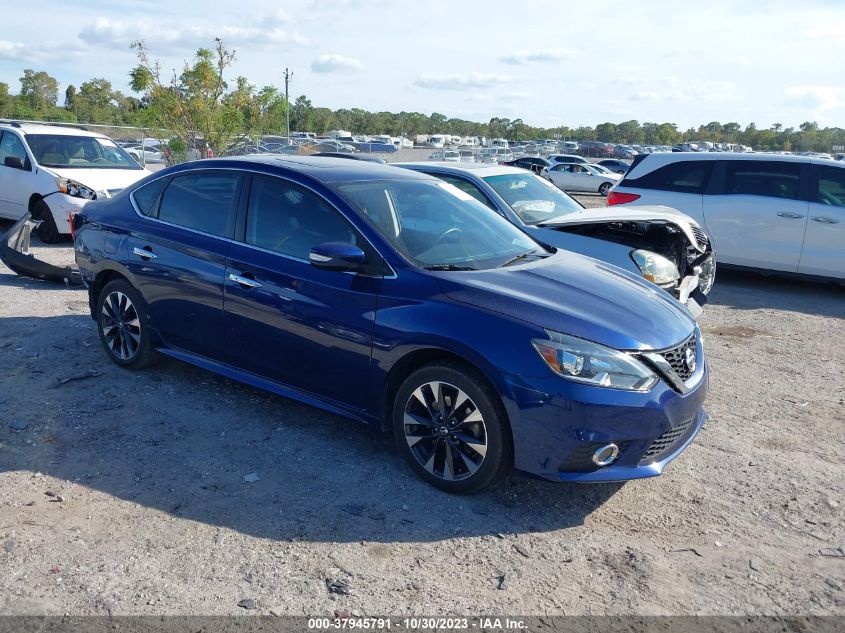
[(396, 299)]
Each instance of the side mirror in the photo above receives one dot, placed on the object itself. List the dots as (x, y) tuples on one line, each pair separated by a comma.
[(13, 162), (339, 256)]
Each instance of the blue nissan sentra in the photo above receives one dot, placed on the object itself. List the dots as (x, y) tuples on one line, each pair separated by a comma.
[(397, 299)]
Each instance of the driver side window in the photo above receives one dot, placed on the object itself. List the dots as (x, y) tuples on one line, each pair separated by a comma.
[(287, 219), (467, 187), (11, 147)]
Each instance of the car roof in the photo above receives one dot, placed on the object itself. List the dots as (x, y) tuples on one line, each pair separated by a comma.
[(42, 128), (661, 159), (478, 169), (323, 168)]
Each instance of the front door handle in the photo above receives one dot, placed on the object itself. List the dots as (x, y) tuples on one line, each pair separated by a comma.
[(244, 282), (144, 253), (789, 214), (824, 219)]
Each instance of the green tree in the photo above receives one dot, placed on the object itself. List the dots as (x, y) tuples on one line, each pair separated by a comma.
[(40, 90), (194, 105)]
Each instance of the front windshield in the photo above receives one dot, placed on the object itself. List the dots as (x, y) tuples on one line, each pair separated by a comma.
[(79, 152), (535, 200), (436, 225)]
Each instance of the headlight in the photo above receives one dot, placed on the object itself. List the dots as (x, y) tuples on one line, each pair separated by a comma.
[(656, 268), (75, 189), (708, 274), (582, 361)]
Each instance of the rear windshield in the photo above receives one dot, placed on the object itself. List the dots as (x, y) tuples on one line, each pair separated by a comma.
[(79, 152)]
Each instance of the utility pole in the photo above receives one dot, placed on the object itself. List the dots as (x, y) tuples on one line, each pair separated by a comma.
[(288, 79)]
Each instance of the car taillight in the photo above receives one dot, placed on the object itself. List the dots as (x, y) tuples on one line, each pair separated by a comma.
[(619, 197)]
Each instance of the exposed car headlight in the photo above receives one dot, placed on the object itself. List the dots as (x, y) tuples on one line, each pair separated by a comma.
[(75, 189), (583, 361), (707, 276), (656, 268)]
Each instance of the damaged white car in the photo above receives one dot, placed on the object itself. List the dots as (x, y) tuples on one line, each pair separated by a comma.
[(662, 244), (51, 171)]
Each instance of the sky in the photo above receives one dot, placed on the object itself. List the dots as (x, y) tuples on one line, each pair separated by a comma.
[(548, 62)]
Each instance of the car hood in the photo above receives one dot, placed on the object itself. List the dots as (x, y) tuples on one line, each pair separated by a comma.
[(577, 295), (101, 179), (621, 213)]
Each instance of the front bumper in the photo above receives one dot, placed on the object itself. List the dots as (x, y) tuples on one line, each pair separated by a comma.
[(61, 206), (558, 424)]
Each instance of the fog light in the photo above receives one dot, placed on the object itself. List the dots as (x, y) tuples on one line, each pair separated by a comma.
[(606, 455)]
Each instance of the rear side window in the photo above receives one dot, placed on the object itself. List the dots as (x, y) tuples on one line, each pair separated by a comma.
[(204, 202), (688, 176), (147, 196), (831, 188), (772, 179)]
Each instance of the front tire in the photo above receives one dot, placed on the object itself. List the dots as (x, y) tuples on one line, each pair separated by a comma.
[(47, 230), (451, 428), (123, 325), (604, 188)]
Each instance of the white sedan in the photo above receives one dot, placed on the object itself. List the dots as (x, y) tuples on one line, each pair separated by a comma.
[(574, 177)]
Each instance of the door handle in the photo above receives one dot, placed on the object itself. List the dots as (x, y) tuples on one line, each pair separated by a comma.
[(244, 282), (824, 219), (144, 253), (789, 214)]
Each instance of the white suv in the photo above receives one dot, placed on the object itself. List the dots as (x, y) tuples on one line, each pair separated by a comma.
[(51, 171), (761, 211)]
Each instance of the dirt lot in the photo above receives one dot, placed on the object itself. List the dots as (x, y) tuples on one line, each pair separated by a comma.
[(176, 491)]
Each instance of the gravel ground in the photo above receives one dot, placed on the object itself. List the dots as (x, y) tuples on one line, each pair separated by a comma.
[(174, 491)]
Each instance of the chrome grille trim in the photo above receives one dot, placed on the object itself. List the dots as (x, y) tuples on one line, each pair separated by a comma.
[(673, 365)]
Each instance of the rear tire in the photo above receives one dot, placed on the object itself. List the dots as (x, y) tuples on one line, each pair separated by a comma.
[(47, 231), (604, 188), (451, 428), (123, 326)]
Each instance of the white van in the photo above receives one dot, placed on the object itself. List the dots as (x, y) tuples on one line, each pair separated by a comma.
[(52, 171), (761, 211)]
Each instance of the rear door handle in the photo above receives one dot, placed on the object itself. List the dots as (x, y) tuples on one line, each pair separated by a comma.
[(789, 214), (144, 253), (244, 282), (824, 219)]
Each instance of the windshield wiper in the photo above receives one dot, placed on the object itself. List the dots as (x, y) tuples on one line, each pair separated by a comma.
[(449, 267), (522, 256)]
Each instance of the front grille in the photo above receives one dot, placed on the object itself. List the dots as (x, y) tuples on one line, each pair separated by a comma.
[(682, 363), (700, 237), (666, 441)]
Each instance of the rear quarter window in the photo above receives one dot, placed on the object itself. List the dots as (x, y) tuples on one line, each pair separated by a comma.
[(146, 197), (689, 176), (770, 179)]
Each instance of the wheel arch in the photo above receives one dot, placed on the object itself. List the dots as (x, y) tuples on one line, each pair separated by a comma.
[(100, 281), (413, 360)]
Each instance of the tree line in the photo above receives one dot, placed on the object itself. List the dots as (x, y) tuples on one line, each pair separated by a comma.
[(200, 103)]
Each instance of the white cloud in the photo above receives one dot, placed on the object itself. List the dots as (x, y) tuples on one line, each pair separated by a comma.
[(40, 52), (267, 30), (525, 57), (817, 98), (12, 50), (836, 32), (333, 63), (459, 82)]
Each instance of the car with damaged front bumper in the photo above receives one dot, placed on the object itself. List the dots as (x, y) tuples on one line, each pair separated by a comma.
[(665, 246), (395, 299), (53, 171)]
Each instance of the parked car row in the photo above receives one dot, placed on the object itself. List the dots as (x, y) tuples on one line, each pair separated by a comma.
[(476, 310)]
